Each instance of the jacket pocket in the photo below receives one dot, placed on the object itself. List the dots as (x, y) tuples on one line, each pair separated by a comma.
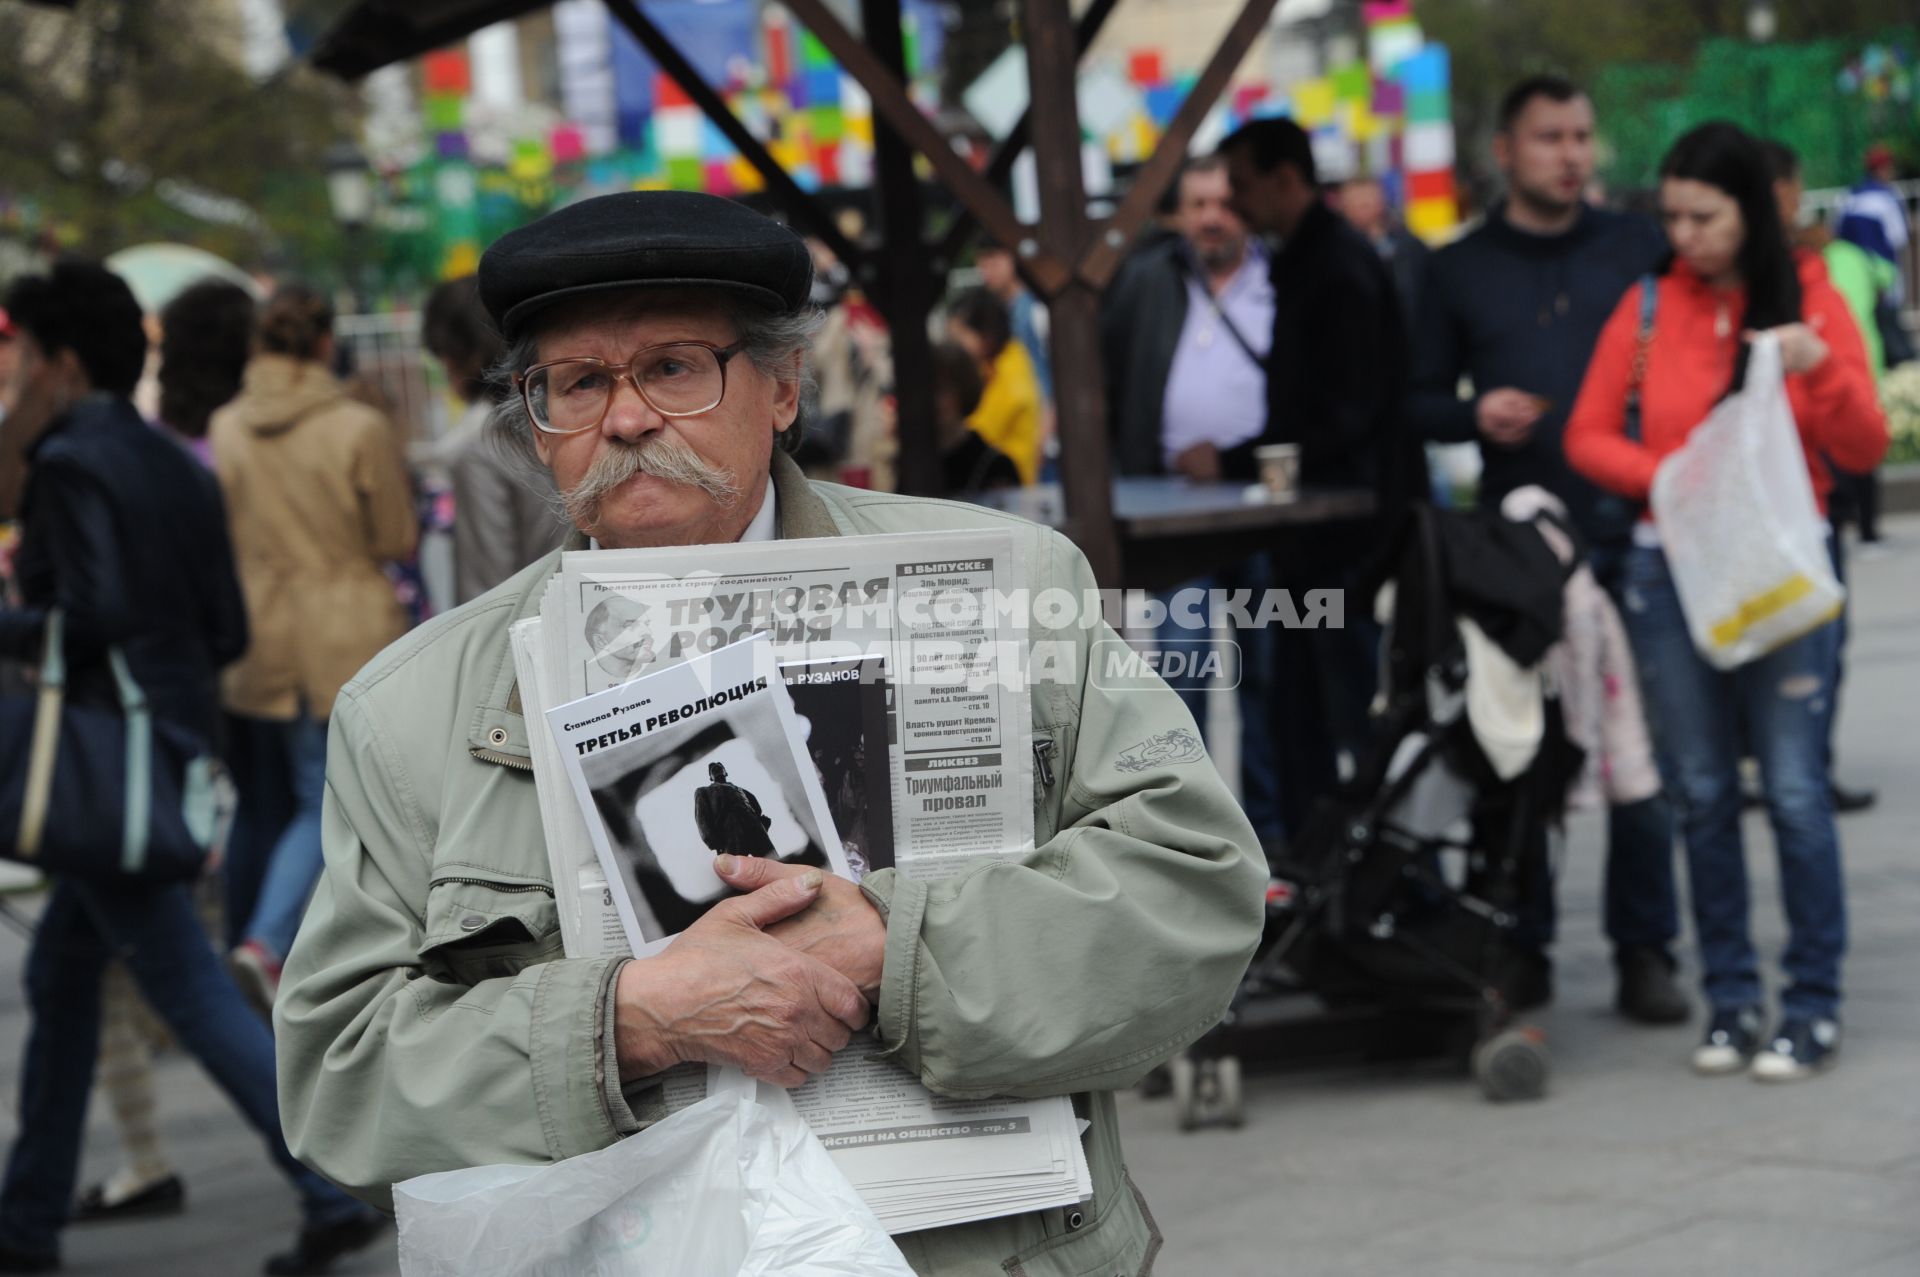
[(1049, 783), (1120, 1240), (482, 924)]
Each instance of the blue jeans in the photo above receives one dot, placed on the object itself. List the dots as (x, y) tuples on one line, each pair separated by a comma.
[(155, 932), (1323, 683), (1780, 706), (266, 805), (1642, 909), (294, 866), (1259, 781)]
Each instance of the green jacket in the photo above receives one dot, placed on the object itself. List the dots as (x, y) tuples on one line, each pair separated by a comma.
[(427, 1019), (1861, 277)]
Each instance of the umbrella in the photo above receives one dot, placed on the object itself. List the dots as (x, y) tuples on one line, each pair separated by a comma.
[(158, 273)]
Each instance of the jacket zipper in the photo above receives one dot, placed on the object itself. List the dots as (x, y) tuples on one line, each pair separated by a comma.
[(1042, 751), (505, 760), (495, 886)]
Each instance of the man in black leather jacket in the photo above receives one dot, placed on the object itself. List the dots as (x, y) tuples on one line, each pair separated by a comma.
[(1335, 371), (126, 534)]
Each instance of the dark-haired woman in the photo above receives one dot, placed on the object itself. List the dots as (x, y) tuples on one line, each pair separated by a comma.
[(206, 338), (1733, 275), (318, 499)]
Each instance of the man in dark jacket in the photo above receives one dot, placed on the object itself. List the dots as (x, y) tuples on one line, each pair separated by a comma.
[(1336, 372), (1338, 364), (125, 534), (729, 818), (1516, 307)]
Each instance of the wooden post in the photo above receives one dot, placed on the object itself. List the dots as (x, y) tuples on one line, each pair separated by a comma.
[(960, 233), (1080, 398), (904, 288)]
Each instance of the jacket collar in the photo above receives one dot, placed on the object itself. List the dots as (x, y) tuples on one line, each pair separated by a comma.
[(1317, 224), (1585, 223), (91, 411), (498, 732)]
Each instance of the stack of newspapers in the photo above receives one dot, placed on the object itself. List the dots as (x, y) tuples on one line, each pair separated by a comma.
[(848, 703)]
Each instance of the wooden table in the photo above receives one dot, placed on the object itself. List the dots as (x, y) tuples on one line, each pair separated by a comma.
[(1172, 530)]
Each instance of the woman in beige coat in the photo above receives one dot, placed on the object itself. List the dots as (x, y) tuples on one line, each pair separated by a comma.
[(319, 500)]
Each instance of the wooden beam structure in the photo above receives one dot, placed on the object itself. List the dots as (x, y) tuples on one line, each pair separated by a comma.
[(906, 280), (897, 110), (1079, 388), (803, 208), (1065, 258), (1000, 166), (1104, 258)]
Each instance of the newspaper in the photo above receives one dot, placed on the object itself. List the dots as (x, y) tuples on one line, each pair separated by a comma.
[(889, 647), (696, 759), (960, 728), (924, 1161)]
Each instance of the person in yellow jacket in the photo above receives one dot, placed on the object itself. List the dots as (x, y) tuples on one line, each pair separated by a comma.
[(1011, 412), (319, 501)]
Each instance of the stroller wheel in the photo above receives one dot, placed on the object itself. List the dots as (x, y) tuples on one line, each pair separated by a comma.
[(1184, 1074), (1512, 1065), (1231, 1102)]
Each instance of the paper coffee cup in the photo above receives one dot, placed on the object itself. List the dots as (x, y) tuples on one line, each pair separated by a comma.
[(1279, 468)]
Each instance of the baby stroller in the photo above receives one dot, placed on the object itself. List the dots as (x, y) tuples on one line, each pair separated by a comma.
[(1389, 921)]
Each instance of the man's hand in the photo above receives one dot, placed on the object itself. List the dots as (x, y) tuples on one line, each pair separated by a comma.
[(727, 992), (841, 928), (1200, 463), (1506, 416)]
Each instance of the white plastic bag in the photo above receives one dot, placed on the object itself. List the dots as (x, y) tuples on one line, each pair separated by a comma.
[(1743, 536), (734, 1186)]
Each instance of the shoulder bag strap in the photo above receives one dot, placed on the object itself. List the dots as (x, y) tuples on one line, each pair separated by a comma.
[(138, 812), (1643, 342), (1187, 272), (46, 737)]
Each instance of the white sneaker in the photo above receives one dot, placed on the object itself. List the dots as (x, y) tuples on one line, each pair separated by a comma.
[(1800, 1048), (1732, 1037)]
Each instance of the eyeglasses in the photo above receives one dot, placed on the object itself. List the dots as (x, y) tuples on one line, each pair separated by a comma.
[(680, 379)]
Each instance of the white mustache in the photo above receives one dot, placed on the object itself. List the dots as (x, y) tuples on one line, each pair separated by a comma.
[(661, 455)]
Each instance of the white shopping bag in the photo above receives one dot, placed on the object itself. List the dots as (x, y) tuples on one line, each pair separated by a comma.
[(734, 1186), (1743, 536)]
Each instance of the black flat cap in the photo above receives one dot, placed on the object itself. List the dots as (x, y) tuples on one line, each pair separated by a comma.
[(642, 239)]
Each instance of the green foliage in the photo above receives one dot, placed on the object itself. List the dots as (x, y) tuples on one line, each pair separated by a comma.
[(134, 120), (1900, 396), (1789, 92), (1640, 48)]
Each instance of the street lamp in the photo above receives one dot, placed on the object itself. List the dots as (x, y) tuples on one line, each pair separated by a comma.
[(350, 191)]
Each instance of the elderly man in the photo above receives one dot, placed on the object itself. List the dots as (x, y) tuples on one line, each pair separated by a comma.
[(428, 1020)]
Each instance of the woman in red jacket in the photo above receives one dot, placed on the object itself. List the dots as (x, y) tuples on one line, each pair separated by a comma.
[(1733, 275)]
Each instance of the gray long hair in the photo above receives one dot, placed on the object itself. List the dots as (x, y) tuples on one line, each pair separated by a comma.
[(776, 343)]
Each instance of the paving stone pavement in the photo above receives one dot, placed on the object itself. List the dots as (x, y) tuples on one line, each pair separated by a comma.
[(1631, 1167)]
